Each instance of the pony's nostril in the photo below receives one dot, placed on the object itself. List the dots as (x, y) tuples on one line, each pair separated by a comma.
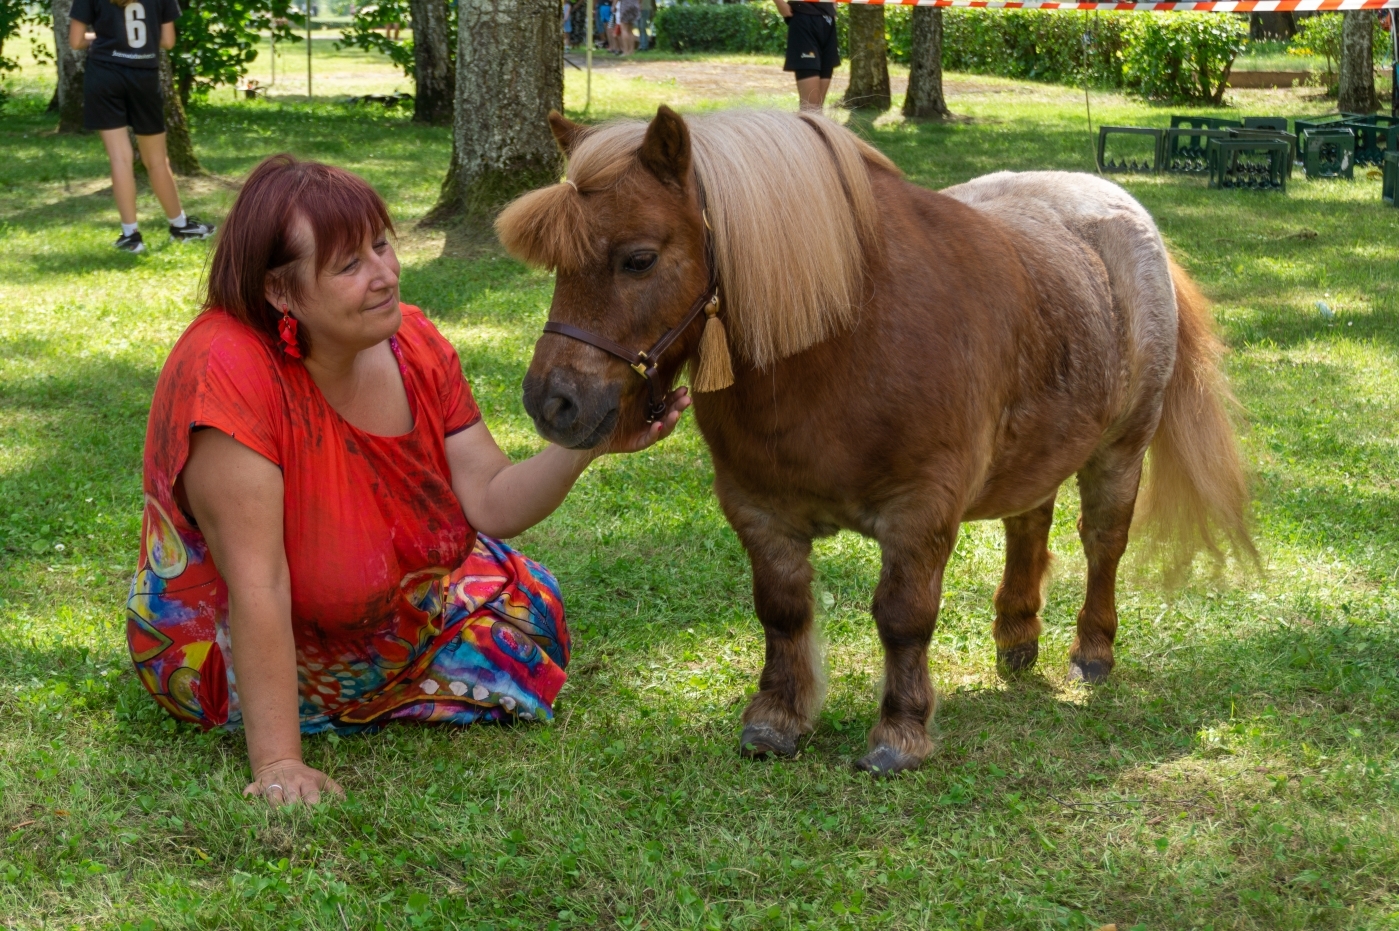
[(559, 409)]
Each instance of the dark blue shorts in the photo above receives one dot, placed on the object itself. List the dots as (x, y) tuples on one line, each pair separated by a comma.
[(811, 45), (115, 97)]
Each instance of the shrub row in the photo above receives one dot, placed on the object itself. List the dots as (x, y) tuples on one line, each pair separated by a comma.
[(1168, 56)]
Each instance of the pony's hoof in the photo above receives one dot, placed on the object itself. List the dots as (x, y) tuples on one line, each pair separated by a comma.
[(1089, 671), (759, 741), (884, 760), (1017, 659)]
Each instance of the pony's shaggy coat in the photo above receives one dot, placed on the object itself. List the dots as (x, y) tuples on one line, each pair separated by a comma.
[(905, 360)]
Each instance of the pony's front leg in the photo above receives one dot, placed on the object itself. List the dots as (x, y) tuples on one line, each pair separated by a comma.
[(906, 612), (791, 684)]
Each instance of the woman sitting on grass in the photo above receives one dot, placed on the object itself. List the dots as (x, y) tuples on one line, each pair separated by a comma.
[(315, 440)]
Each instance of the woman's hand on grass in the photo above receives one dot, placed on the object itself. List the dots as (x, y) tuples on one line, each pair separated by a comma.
[(676, 403), (286, 782)]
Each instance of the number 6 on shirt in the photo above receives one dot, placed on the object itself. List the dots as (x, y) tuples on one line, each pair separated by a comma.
[(135, 25)]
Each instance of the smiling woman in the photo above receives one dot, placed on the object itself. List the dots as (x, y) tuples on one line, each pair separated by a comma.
[(322, 493)]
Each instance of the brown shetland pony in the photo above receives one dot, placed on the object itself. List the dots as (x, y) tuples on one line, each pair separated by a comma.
[(903, 360)]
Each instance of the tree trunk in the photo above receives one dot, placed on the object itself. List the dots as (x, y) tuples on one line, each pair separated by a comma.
[(1357, 87), (178, 145), (869, 59), (924, 98), (432, 62), (509, 76), (70, 71)]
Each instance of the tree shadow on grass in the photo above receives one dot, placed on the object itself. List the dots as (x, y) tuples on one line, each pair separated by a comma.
[(471, 263)]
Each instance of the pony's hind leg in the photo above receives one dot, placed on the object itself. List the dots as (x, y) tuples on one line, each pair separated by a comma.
[(1108, 493), (1021, 592), (906, 612), (790, 687)]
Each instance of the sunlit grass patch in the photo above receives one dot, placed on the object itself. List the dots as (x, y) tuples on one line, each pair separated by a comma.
[(1240, 770)]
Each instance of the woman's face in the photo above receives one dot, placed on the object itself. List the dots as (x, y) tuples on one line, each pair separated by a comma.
[(352, 303)]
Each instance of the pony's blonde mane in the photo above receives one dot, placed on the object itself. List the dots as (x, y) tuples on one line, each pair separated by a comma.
[(789, 202)]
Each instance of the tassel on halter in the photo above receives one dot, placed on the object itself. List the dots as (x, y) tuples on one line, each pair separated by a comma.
[(715, 371)]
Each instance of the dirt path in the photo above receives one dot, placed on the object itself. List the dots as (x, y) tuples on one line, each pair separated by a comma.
[(734, 79)]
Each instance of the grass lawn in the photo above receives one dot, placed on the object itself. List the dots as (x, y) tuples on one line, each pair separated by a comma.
[(1241, 770)]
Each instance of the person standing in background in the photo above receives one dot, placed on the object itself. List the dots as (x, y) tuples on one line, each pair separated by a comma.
[(567, 25), (813, 53), (604, 18), (121, 88), (648, 13), (628, 14)]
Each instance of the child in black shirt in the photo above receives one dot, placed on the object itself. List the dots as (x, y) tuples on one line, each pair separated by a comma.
[(121, 88)]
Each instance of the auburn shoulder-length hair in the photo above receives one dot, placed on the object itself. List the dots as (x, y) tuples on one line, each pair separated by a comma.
[(256, 244)]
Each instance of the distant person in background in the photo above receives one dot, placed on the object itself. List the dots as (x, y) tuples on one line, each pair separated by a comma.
[(121, 88), (567, 25), (604, 18), (812, 51), (628, 14), (648, 13)]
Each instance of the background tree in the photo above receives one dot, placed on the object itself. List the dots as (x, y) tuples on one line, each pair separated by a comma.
[(68, 95), (217, 40), (924, 98), (434, 70), (13, 15), (1356, 92), (869, 59), (178, 144), (509, 76), (368, 31), (428, 57)]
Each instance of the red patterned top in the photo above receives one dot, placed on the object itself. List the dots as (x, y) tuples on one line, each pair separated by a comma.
[(362, 512)]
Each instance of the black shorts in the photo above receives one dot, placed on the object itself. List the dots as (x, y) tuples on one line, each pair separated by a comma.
[(811, 45), (115, 96)]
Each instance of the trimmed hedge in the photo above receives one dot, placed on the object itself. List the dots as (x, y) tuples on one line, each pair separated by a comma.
[(1149, 53), (1035, 45), (721, 27)]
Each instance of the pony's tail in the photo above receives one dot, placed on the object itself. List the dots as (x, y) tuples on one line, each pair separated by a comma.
[(1194, 490)]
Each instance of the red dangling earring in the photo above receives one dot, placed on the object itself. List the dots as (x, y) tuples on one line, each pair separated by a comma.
[(287, 329)]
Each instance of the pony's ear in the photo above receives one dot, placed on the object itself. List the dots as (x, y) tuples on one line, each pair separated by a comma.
[(666, 149), (566, 132)]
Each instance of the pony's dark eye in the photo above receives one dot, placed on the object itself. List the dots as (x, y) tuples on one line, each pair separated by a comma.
[(639, 262)]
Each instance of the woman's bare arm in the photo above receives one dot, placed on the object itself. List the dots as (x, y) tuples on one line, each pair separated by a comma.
[(167, 35), (78, 35), (502, 499), (236, 497), (783, 8)]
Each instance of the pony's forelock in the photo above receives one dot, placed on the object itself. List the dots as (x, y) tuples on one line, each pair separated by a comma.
[(794, 224), (547, 228), (790, 206)]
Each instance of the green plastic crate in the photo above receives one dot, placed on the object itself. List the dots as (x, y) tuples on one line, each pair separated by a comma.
[(1132, 163), (1250, 163), (1183, 149), (1187, 138), (1329, 153)]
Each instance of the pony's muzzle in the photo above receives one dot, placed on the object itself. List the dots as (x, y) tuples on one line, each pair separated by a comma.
[(569, 409)]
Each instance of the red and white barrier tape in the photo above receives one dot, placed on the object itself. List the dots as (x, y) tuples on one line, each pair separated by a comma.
[(1178, 6)]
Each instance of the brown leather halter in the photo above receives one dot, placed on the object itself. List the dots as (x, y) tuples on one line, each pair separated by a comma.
[(644, 363)]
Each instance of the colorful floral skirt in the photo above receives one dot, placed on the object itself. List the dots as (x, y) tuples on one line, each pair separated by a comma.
[(486, 641)]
